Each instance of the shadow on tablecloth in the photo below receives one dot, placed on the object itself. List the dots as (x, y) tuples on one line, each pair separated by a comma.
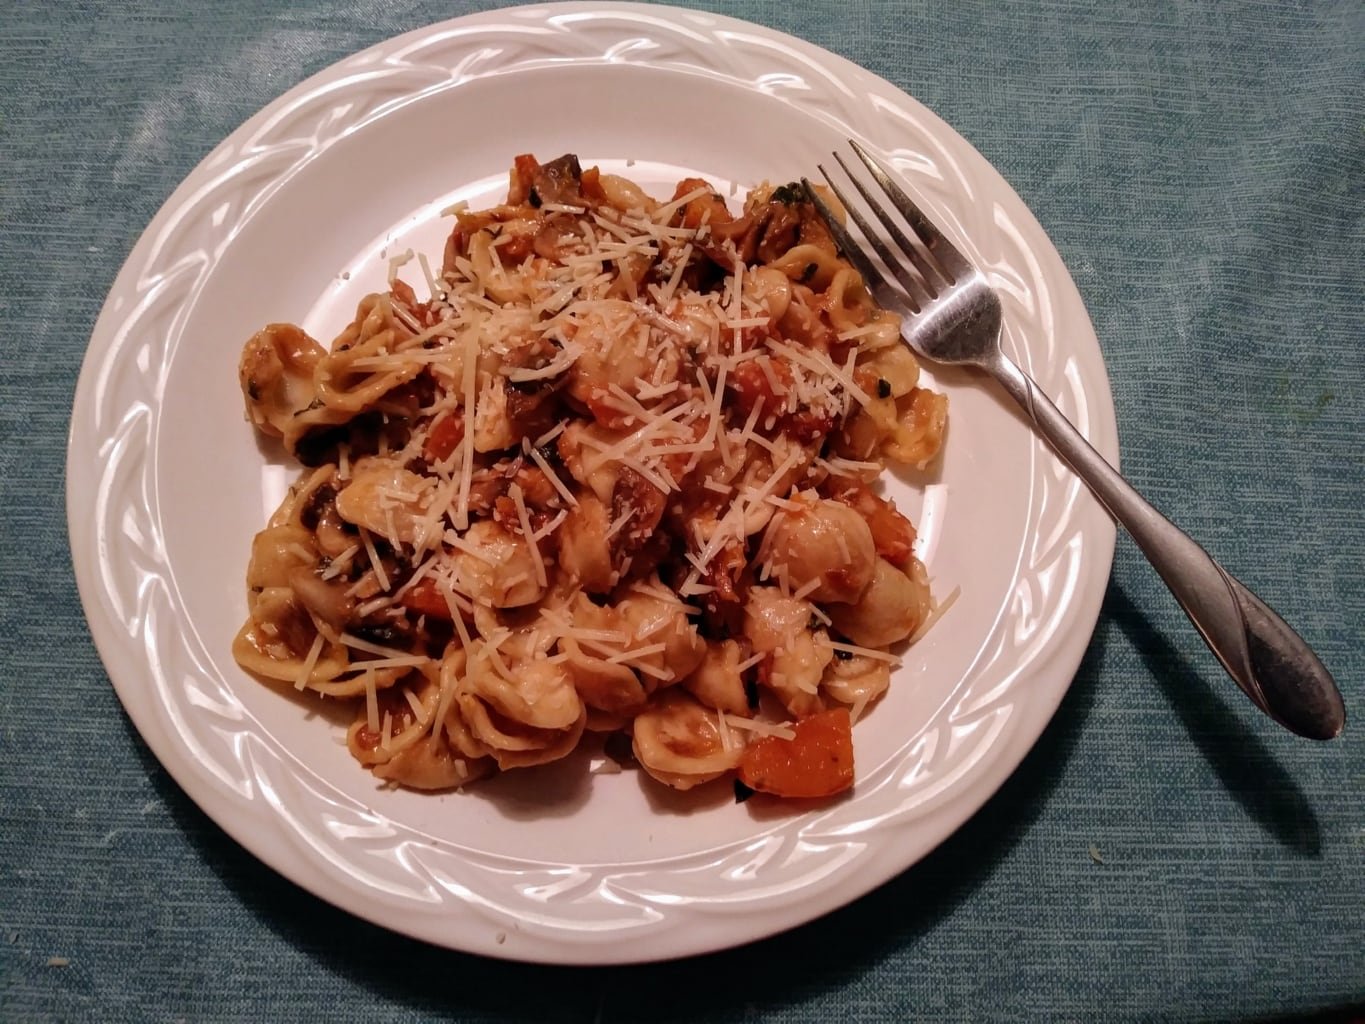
[(1241, 760), (784, 969)]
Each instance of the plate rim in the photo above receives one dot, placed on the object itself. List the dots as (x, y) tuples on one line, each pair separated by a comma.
[(236, 819)]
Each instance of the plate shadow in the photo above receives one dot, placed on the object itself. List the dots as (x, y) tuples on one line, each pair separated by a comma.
[(718, 986)]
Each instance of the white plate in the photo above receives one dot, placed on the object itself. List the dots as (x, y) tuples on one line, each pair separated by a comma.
[(289, 219)]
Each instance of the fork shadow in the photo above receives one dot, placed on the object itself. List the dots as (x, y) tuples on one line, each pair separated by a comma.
[(833, 949), (1241, 760)]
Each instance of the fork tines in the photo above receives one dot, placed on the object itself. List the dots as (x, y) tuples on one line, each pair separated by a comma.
[(936, 263)]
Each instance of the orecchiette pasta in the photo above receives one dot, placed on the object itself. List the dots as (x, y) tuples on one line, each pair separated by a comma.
[(823, 547), (496, 566), (678, 741), (718, 682), (277, 376), (855, 679), (890, 609), (611, 475)]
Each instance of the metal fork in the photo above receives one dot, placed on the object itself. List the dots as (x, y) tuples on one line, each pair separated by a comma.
[(952, 315)]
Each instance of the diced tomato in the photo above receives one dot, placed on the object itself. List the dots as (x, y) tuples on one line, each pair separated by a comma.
[(517, 247), (709, 209), (425, 598), (751, 385), (456, 245), (816, 762), (807, 427), (524, 170), (405, 297), (643, 501), (892, 534), (443, 438), (390, 700), (505, 514), (724, 573), (606, 410), (536, 486), (706, 208), (591, 185)]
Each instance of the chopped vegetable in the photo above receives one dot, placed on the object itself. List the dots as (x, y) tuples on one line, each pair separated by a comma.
[(443, 438), (816, 762), (425, 598)]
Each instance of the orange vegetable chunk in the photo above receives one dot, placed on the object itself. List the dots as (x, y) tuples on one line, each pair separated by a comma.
[(425, 598), (444, 437), (816, 762)]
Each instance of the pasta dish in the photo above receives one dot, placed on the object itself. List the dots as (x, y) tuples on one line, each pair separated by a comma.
[(613, 474)]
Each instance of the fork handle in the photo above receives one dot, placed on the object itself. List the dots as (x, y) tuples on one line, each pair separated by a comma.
[(1265, 657)]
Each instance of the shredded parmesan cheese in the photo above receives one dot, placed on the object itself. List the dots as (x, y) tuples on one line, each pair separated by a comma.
[(553, 477), (376, 564), (418, 712), (761, 728), (936, 612), (866, 652), (309, 662), (727, 740), (652, 343), (371, 702), (525, 519), (635, 655)]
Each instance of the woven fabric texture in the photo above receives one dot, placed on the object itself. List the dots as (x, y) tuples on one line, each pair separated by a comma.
[(1164, 852)]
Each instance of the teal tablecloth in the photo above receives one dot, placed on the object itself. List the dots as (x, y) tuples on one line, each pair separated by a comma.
[(1164, 851)]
